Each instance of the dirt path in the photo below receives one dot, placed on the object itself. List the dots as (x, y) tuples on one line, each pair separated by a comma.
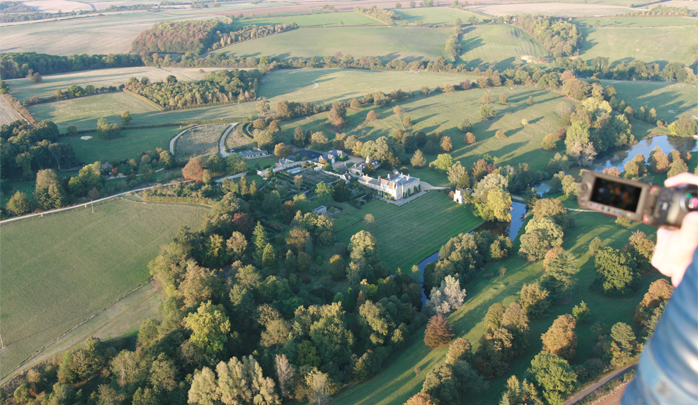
[(221, 143), (593, 387)]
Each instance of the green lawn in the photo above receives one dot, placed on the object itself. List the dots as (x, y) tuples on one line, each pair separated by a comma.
[(63, 268), (659, 44), (403, 241), (433, 15), (661, 21), (671, 100), (85, 111), (387, 42), (498, 44), (131, 143), (397, 381), (314, 20), (24, 89)]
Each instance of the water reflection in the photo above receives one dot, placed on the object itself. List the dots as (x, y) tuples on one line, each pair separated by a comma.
[(645, 146)]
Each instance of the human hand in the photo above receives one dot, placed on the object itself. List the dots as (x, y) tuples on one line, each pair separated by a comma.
[(676, 247)]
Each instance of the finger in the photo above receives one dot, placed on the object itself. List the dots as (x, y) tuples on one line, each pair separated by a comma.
[(689, 229), (683, 178)]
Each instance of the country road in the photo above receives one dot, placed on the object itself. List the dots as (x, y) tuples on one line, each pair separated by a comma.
[(221, 143), (593, 387)]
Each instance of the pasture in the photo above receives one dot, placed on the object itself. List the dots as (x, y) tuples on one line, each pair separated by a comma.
[(397, 380), (7, 113), (314, 20), (658, 44), (433, 15), (402, 241), (24, 89), (553, 9), (501, 45), (636, 21), (201, 140), (386, 42), (671, 100), (63, 268), (129, 146), (84, 112)]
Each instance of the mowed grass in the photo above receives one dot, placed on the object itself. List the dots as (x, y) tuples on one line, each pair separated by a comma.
[(660, 21), (397, 381), (314, 20), (404, 241), (199, 141), (24, 89), (500, 45), (433, 15), (84, 112), (129, 146), (658, 44), (63, 268), (671, 100), (387, 42)]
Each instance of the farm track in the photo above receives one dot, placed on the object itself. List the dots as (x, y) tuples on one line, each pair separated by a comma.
[(221, 143)]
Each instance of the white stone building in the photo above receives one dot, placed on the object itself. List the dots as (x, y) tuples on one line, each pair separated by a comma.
[(396, 186)]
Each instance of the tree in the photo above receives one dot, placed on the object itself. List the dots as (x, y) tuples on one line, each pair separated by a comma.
[(443, 162), (486, 98), (318, 139), (407, 121), (456, 172), (418, 159), (684, 126), (659, 161), (465, 125), (448, 297), (193, 170), (319, 387), (470, 138), (363, 246), (678, 166), (284, 374), (452, 383), (300, 138), (530, 100), (340, 192), (494, 316), (581, 312), (337, 267), (260, 240), (210, 327), (534, 300), (282, 151), (354, 104), (439, 332), (106, 130), (446, 144), (503, 99), (323, 192), (19, 203), (500, 134), (371, 116), (459, 349), (238, 382), (486, 112), (561, 339), (126, 118), (421, 398), (269, 257), (549, 142), (430, 148), (616, 272), (554, 376)]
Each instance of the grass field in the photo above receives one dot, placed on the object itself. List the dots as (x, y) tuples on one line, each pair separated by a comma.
[(85, 111), (671, 100), (434, 16), (659, 44), (128, 146), (86, 261), (233, 140), (54, 6), (199, 141), (314, 20), (24, 89), (7, 113), (402, 241), (500, 45), (556, 9), (637, 21), (397, 381), (387, 42)]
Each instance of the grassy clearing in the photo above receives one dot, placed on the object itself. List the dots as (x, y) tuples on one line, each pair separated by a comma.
[(555, 9), (404, 242), (636, 21), (671, 100), (498, 44), (128, 146), (233, 140), (659, 44), (397, 382), (389, 42), (85, 111), (314, 20), (199, 141), (434, 16), (24, 89), (105, 253)]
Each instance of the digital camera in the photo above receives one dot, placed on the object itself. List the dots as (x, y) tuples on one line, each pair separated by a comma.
[(637, 201)]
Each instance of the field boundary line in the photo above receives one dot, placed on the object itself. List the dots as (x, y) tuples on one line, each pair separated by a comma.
[(84, 205)]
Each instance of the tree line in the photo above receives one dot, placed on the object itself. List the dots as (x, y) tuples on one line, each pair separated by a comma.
[(560, 37), (385, 16), (15, 65)]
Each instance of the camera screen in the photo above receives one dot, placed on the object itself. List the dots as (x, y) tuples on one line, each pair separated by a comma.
[(615, 194)]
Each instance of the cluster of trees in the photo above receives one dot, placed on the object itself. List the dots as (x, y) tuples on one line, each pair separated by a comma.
[(385, 16), (223, 86), (659, 162), (453, 43), (72, 91), (560, 37), (198, 36), (619, 271), (600, 68), (14, 65), (664, 10), (545, 231)]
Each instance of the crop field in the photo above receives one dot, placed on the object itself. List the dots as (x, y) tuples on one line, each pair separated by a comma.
[(385, 42), (636, 21), (434, 15), (201, 140), (681, 3), (314, 20), (105, 253), (24, 89), (659, 44), (129, 146), (556, 9), (498, 44), (53, 6), (402, 241), (671, 100), (7, 113), (397, 380), (85, 111)]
